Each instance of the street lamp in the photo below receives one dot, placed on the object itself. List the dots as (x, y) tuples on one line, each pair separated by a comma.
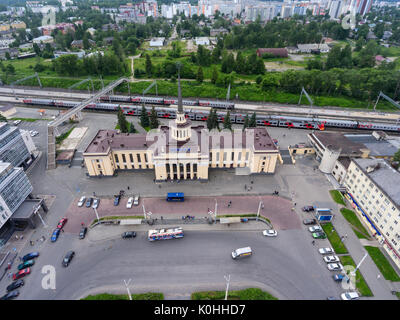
[(215, 211), (127, 288), (228, 279), (97, 215), (358, 266), (260, 206)]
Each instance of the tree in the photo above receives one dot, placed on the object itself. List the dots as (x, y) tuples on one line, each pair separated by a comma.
[(227, 121), (122, 123), (215, 120), (144, 118), (253, 121), (396, 156), (2, 118), (149, 66), (246, 122), (200, 76), (214, 76), (154, 123), (131, 128)]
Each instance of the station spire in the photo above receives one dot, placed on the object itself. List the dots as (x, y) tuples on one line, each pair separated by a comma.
[(180, 104)]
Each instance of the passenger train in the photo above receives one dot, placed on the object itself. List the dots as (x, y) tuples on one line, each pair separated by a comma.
[(168, 101), (200, 114)]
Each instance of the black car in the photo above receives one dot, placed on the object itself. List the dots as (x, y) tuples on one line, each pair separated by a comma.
[(30, 256), (15, 285), (117, 198), (10, 295), (308, 208), (309, 221), (129, 234), (82, 233), (68, 257), (89, 202)]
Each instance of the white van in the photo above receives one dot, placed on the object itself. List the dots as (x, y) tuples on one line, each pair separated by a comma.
[(242, 252), (349, 296)]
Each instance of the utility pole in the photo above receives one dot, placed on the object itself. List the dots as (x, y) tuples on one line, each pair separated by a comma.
[(228, 279), (259, 208), (362, 260), (215, 211), (127, 288)]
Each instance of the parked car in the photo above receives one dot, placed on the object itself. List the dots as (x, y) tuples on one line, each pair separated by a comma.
[(55, 235), (96, 203), (319, 235), (89, 202), (62, 223), (81, 201), (341, 277), (10, 295), (82, 233), (129, 234), (334, 266), (129, 203), (315, 229), (270, 233), (326, 251), (116, 200), (17, 122), (349, 296), (26, 264), (309, 221), (68, 258), (136, 201), (308, 208), (21, 273), (15, 285), (329, 259), (33, 133), (30, 256)]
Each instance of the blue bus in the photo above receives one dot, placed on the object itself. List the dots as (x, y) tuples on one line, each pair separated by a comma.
[(175, 196)]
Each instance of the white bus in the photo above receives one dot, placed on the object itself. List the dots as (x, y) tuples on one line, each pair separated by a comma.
[(242, 252), (165, 234)]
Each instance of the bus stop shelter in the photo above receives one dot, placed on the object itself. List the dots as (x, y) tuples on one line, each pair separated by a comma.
[(229, 220)]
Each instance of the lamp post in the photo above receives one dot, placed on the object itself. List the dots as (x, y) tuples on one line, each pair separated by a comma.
[(97, 215), (359, 264), (228, 279), (127, 288), (259, 208), (215, 211)]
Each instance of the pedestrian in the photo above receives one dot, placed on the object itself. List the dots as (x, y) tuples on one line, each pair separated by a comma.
[(128, 188), (313, 242), (378, 276), (162, 218), (16, 237), (82, 224), (245, 187), (22, 236)]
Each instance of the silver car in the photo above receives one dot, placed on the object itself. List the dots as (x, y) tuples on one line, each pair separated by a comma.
[(81, 201), (136, 201), (330, 259)]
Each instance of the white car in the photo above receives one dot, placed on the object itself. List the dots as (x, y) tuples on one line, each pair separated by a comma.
[(270, 233), (326, 251), (17, 122), (81, 201), (349, 296), (129, 203), (314, 229), (136, 201), (334, 266), (329, 259), (33, 133)]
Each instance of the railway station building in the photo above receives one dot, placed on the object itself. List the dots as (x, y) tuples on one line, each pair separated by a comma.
[(181, 151)]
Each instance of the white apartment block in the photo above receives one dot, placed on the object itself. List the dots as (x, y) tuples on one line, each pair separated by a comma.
[(373, 188)]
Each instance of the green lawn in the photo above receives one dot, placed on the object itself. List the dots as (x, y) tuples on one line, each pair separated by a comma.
[(140, 296), (246, 294), (382, 263), (352, 218), (334, 238), (361, 285), (337, 197)]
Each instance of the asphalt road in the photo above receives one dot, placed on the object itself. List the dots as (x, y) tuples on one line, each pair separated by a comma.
[(287, 266)]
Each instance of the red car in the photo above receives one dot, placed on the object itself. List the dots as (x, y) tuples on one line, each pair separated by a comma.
[(21, 273), (62, 223)]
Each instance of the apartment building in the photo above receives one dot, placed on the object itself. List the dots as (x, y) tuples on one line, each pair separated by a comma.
[(372, 187)]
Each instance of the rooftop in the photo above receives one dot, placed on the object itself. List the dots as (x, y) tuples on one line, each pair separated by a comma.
[(377, 147), (383, 175), (338, 140)]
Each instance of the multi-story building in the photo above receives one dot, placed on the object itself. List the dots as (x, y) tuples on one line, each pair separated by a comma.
[(14, 189), (15, 147), (181, 151), (372, 186)]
